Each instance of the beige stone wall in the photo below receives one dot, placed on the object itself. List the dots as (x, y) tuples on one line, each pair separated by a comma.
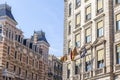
[(107, 42)]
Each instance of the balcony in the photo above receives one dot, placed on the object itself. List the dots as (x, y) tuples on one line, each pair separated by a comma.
[(88, 74), (100, 71), (117, 67)]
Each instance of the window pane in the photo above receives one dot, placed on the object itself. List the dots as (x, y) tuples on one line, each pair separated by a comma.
[(78, 19), (88, 39), (77, 3), (118, 25), (70, 8), (77, 40), (100, 4), (100, 54), (118, 54), (88, 10)]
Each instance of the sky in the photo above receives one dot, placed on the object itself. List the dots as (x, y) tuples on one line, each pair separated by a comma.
[(46, 15)]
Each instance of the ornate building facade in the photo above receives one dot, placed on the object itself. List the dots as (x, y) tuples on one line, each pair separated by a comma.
[(20, 58), (95, 26), (54, 68)]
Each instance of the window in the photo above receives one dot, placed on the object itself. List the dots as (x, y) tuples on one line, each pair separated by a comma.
[(33, 62), (68, 71), (27, 59), (26, 74), (7, 65), (118, 22), (77, 64), (69, 46), (32, 76), (69, 28), (20, 56), (7, 32), (88, 63), (77, 3), (88, 13), (100, 29), (15, 55), (117, 1), (77, 20), (8, 50), (99, 6), (118, 53), (77, 40), (70, 9), (88, 35), (14, 68), (19, 71), (100, 55)]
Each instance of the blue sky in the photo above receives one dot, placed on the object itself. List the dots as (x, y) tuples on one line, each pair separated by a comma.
[(46, 15)]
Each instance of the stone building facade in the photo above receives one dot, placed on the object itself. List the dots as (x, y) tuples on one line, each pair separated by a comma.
[(54, 68), (95, 26), (20, 58)]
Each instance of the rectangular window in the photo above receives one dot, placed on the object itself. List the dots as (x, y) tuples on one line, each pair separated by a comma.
[(8, 50), (88, 35), (118, 53), (117, 1), (69, 28), (78, 20), (118, 22), (20, 56), (14, 68), (77, 40), (27, 59), (99, 6), (77, 3), (69, 46), (7, 65), (70, 9), (26, 74), (100, 29), (77, 64), (15, 55), (88, 63), (19, 71), (100, 55), (68, 71), (88, 13)]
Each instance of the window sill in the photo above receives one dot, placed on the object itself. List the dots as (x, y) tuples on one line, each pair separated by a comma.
[(117, 4), (118, 31)]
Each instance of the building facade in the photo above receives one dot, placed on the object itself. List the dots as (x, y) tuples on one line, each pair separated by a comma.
[(93, 25), (20, 58), (54, 68)]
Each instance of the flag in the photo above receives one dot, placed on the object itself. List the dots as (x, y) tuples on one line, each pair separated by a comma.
[(84, 51)]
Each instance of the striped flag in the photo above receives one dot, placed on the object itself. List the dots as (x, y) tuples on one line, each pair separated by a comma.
[(84, 51)]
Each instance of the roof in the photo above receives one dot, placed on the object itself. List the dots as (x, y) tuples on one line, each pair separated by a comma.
[(5, 10), (41, 36)]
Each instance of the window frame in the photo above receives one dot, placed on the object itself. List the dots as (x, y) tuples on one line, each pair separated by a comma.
[(90, 14), (98, 11), (117, 21)]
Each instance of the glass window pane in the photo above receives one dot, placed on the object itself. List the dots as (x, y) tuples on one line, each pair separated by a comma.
[(78, 19), (100, 4), (118, 25), (100, 54)]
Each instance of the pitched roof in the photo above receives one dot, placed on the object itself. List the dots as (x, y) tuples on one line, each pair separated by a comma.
[(41, 36), (5, 10)]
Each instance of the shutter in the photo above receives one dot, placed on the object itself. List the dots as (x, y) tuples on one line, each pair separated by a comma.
[(88, 58), (100, 55), (88, 31), (77, 62), (88, 10), (78, 19), (118, 48), (77, 37), (69, 66), (118, 17), (100, 4), (100, 24)]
